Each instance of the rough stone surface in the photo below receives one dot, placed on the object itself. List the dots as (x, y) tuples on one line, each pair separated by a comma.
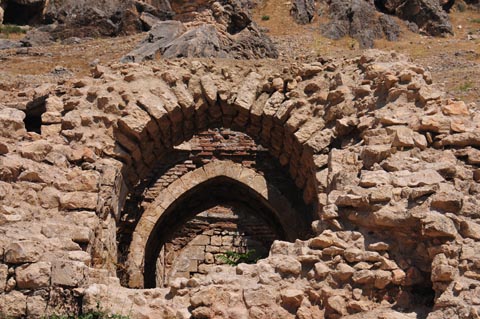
[(391, 186), (359, 19), (225, 30), (303, 11)]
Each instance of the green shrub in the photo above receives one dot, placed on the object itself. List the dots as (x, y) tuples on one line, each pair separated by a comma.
[(11, 29), (465, 86), (265, 17), (92, 314), (233, 258)]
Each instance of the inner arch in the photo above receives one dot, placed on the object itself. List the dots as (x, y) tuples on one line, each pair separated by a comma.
[(218, 182), (218, 191)]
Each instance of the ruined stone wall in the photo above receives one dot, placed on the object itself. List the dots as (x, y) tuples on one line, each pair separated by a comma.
[(387, 164), (200, 244)]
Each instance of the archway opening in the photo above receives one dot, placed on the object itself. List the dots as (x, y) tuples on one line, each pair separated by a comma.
[(239, 221), (244, 180)]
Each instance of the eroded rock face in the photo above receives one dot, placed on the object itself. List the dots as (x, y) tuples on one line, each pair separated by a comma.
[(426, 14), (385, 163), (210, 29), (303, 11), (359, 19), (366, 21)]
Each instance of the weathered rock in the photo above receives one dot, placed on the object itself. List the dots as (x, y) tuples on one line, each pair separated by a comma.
[(234, 35), (291, 298), (11, 122), (359, 20), (13, 304), (303, 11), (68, 273), (286, 265), (427, 14), (23, 251), (158, 39), (9, 44), (196, 43), (3, 277), (338, 304), (36, 306), (33, 276)]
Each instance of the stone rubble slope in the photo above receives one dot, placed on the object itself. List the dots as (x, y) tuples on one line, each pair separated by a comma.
[(392, 166)]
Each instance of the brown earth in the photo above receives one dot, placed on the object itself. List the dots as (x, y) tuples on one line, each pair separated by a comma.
[(453, 61)]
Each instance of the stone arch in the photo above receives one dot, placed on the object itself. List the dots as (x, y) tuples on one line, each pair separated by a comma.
[(229, 174), (171, 109)]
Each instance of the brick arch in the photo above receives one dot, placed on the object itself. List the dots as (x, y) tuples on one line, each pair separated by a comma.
[(285, 215), (168, 109)]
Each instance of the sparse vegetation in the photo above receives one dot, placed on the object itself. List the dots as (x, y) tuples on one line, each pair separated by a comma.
[(11, 29), (465, 86), (265, 17), (98, 313), (234, 258), (476, 20), (89, 315)]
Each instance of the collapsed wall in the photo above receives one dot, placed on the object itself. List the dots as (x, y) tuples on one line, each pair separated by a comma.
[(130, 161)]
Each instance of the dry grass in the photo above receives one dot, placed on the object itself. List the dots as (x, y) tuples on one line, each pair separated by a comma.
[(454, 61)]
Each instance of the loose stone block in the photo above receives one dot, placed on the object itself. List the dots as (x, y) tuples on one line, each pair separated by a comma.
[(33, 276), (68, 273), (23, 252)]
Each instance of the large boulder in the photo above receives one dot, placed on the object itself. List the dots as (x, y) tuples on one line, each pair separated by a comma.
[(303, 11), (199, 42), (359, 19), (159, 38), (428, 15), (226, 31)]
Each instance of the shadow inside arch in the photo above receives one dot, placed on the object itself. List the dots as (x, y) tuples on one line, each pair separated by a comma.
[(219, 190)]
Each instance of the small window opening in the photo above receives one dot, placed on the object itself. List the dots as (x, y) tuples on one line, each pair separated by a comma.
[(33, 118)]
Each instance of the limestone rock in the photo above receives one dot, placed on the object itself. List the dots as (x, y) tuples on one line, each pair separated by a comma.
[(23, 251), (13, 304), (33, 276), (287, 266), (11, 122), (68, 273), (3, 277), (78, 200), (291, 298)]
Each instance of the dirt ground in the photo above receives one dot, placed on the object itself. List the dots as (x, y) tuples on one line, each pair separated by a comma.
[(454, 61)]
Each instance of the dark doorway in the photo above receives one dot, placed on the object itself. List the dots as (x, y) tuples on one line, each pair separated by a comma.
[(20, 14)]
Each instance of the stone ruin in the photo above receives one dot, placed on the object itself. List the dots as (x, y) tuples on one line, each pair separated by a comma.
[(354, 180)]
